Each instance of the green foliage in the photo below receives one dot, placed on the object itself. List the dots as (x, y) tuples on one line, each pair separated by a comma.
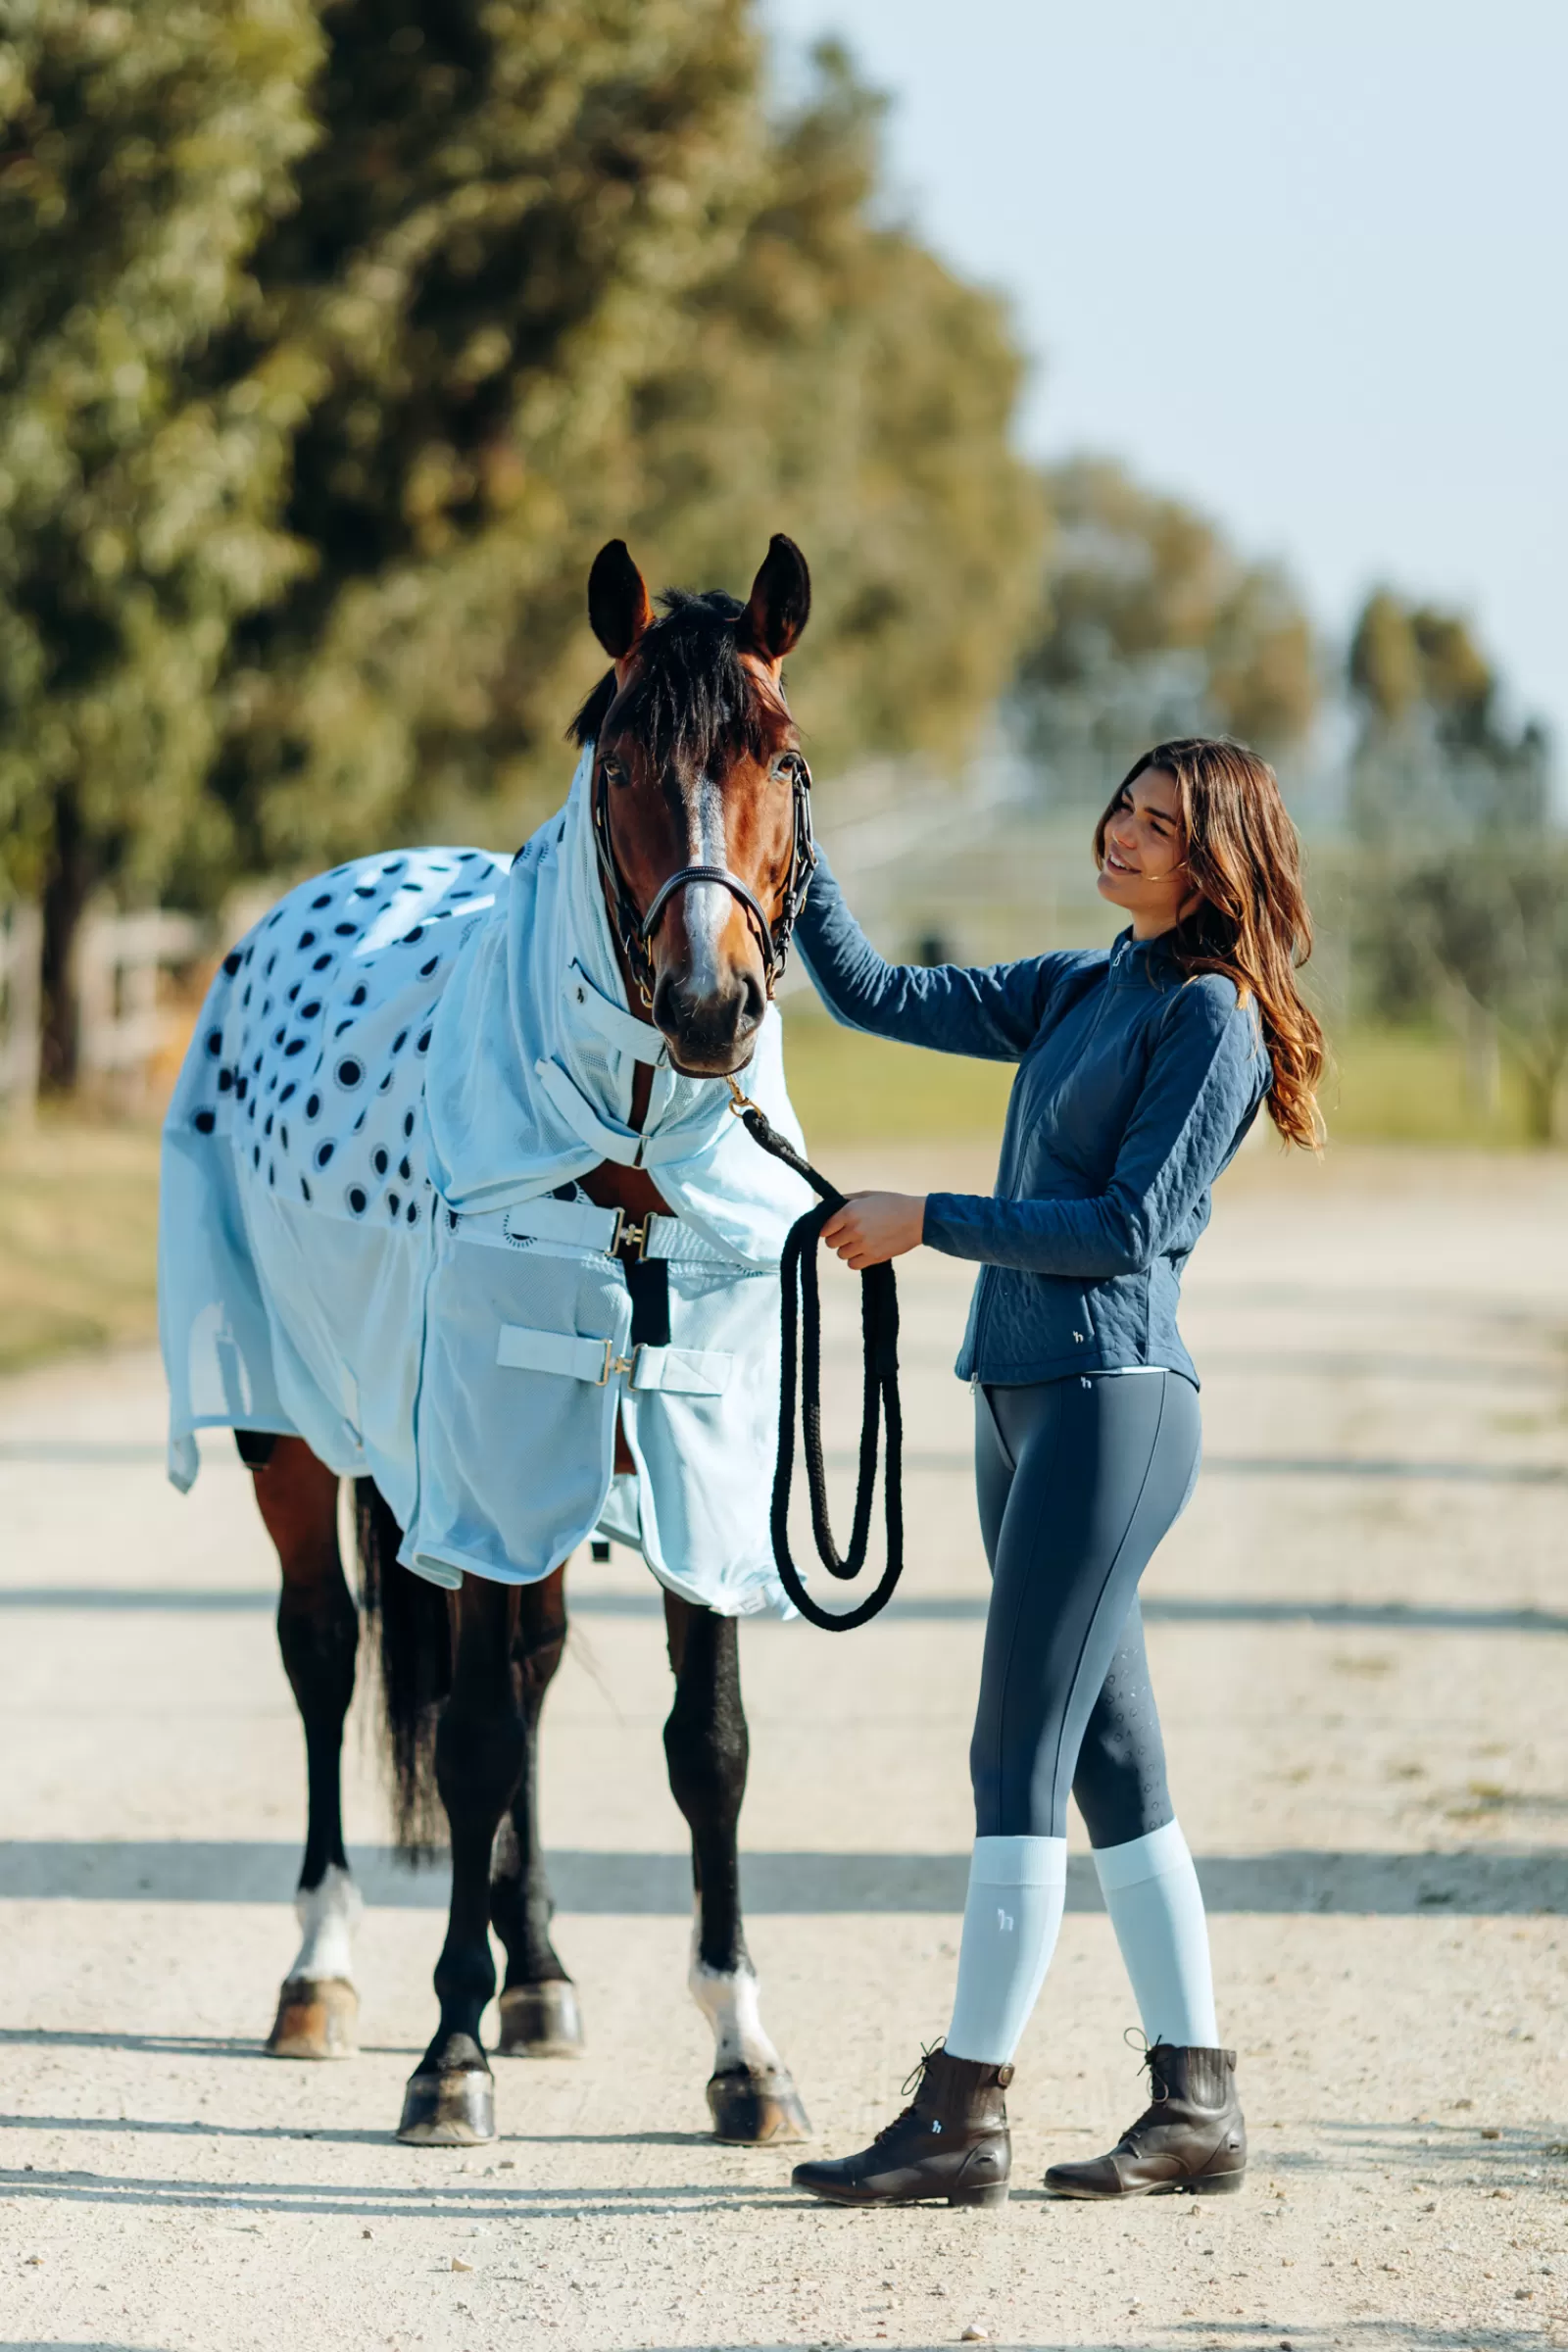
[(334, 341), (495, 239), (1483, 933), (1433, 751), (1152, 626), (143, 150), (842, 380), (564, 279), (1460, 889)]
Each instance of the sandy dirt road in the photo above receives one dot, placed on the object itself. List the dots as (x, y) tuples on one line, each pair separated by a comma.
[(1360, 1635)]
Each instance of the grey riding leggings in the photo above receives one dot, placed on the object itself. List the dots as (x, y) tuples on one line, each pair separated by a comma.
[(1078, 1481)]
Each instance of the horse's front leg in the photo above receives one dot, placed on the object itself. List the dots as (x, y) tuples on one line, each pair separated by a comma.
[(539, 2013), (479, 1748), (750, 2095), (318, 1633)]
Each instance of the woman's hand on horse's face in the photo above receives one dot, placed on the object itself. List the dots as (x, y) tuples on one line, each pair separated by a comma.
[(872, 1227)]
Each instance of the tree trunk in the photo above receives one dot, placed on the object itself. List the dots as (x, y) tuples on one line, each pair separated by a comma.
[(1542, 1083), (64, 901), (1483, 1061)]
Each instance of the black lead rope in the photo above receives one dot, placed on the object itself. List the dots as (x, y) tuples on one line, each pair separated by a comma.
[(879, 1332)]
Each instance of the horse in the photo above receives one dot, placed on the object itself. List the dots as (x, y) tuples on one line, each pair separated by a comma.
[(693, 780)]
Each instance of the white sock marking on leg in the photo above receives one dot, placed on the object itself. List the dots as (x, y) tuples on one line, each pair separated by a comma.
[(328, 1915), (731, 2001)]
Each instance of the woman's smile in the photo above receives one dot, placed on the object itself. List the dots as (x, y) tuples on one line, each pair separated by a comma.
[(1143, 853)]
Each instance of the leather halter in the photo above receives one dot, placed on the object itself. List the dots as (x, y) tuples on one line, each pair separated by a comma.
[(635, 930)]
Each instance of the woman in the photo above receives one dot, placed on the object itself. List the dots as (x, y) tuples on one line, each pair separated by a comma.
[(1141, 1071)]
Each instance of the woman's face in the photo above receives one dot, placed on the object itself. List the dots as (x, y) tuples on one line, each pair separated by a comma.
[(1145, 864)]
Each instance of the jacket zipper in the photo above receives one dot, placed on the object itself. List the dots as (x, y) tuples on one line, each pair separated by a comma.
[(983, 1320)]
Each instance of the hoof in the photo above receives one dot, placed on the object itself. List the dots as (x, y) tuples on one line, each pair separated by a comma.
[(541, 2021), (757, 2110), (318, 2017), (449, 2111)]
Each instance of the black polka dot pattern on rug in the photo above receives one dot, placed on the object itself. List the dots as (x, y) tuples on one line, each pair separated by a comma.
[(350, 1048)]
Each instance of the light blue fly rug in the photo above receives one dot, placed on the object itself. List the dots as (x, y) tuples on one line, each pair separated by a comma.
[(371, 1235)]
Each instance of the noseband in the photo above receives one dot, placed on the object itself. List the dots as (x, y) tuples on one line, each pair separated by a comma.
[(635, 930)]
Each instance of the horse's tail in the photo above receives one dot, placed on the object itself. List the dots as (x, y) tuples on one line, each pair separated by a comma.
[(409, 1618)]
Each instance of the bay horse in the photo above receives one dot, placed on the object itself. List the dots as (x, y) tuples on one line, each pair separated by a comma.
[(703, 835)]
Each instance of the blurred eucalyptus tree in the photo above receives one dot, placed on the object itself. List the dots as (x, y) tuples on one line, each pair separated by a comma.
[(1486, 930), (1434, 757), (1151, 625), (831, 372), (142, 150), (559, 275), (1459, 878)]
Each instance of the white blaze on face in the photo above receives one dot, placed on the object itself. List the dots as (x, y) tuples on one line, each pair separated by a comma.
[(328, 1915), (731, 2002), (707, 905)]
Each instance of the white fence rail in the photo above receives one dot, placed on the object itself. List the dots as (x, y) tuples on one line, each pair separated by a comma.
[(20, 940), (123, 1027), (123, 1024)]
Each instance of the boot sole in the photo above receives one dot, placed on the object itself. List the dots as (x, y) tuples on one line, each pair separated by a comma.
[(1202, 2184), (996, 2193)]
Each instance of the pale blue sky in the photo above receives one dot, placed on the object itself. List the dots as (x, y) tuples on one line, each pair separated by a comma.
[(1300, 261)]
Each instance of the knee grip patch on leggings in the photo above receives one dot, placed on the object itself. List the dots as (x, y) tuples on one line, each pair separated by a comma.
[(1097, 1470)]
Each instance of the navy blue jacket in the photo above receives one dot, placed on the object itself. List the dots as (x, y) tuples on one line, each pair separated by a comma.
[(1134, 1086)]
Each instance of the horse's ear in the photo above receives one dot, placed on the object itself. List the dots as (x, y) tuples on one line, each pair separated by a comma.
[(618, 607), (780, 601)]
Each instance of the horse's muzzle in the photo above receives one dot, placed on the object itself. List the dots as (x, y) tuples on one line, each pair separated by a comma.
[(710, 1032)]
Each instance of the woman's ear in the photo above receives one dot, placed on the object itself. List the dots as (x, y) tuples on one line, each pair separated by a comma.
[(780, 603), (618, 608)]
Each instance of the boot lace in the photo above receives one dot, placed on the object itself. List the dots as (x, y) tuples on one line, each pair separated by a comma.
[(912, 2082), (1159, 2096)]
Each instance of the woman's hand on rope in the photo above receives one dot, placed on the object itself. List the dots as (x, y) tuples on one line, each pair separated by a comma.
[(872, 1227)]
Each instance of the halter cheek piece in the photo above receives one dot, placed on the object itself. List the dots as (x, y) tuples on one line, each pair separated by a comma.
[(635, 930), (802, 1315)]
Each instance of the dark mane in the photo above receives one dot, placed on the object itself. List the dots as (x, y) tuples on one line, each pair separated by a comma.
[(691, 697)]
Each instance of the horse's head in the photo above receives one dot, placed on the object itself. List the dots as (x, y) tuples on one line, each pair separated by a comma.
[(699, 797)]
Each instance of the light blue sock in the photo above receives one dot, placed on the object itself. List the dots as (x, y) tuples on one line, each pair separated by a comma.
[(1157, 1908), (1018, 1891)]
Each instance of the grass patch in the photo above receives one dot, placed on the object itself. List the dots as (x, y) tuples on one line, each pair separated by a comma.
[(79, 1236), (850, 1089), (1384, 1086), (78, 1197), (1400, 1085)]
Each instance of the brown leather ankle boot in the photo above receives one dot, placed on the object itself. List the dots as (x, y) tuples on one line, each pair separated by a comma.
[(1191, 2137), (951, 2141)]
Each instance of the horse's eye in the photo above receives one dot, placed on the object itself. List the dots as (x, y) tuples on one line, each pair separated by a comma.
[(613, 772), (788, 767)]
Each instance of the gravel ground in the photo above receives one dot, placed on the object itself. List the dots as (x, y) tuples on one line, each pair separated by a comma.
[(1358, 1634)]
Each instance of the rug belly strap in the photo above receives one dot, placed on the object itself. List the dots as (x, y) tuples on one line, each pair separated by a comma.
[(680, 1371)]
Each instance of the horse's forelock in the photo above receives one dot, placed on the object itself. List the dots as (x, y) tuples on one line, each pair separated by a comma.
[(690, 698)]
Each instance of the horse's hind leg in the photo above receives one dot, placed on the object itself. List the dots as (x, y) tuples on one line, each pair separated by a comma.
[(750, 2094), (318, 1633), (539, 2013), (480, 1749)]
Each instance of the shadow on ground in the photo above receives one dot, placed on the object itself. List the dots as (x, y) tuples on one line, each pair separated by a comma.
[(1474, 1883)]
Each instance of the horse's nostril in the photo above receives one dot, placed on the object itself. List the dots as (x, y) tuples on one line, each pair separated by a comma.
[(666, 1006), (707, 1024)]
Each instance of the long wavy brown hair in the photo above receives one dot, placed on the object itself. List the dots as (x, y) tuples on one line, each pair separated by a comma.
[(1251, 920)]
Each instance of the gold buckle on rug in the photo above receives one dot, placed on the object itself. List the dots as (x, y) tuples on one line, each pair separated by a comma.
[(628, 1233), (616, 1363)]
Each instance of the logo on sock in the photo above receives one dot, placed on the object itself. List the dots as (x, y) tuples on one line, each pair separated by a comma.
[(1006, 1922)]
